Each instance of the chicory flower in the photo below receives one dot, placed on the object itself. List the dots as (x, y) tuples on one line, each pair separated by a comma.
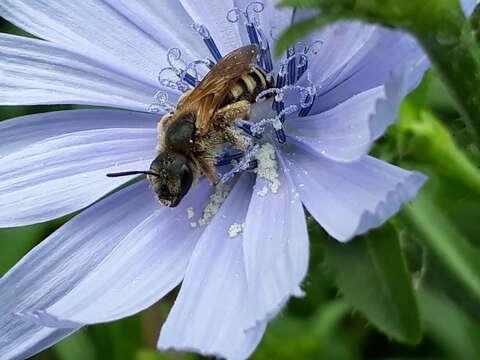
[(240, 249)]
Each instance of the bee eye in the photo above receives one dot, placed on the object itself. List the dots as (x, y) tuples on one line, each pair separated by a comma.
[(186, 179), (180, 134)]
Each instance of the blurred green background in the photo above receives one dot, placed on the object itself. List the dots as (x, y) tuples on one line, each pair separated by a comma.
[(326, 324)]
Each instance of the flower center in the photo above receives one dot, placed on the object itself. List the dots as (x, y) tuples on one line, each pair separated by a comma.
[(268, 113)]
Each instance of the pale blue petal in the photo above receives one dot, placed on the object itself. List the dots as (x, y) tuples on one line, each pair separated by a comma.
[(347, 132), (275, 247), (113, 260), (355, 57), (348, 199), (468, 6), (18, 133), (27, 339), (336, 45), (64, 165), (165, 21), (213, 14), (96, 30), (142, 264), (210, 311), (39, 72)]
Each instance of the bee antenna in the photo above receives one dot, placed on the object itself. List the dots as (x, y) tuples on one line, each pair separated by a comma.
[(126, 173)]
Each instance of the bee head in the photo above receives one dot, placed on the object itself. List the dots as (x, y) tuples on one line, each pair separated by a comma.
[(171, 177)]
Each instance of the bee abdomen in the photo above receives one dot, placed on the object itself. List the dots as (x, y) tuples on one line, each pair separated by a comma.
[(249, 86)]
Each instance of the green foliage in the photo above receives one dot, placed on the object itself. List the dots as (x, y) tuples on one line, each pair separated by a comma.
[(371, 274), (16, 242), (150, 355), (450, 329), (76, 347), (437, 233)]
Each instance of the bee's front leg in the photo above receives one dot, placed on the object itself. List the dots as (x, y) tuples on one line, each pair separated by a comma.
[(208, 168), (232, 137), (237, 110)]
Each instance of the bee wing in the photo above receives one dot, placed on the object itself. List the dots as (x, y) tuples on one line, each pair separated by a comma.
[(209, 94)]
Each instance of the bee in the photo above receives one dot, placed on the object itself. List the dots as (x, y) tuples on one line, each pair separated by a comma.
[(191, 137)]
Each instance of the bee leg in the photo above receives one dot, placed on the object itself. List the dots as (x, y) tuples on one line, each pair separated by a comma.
[(237, 110), (230, 136), (208, 169)]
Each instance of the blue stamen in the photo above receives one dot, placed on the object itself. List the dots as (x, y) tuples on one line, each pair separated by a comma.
[(266, 58), (305, 110), (291, 66), (212, 47), (245, 163), (281, 137), (302, 67), (265, 54), (247, 128), (208, 40), (281, 79), (253, 30), (184, 76), (279, 106), (210, 64), (253, 36), (227, 159), (252, 165)]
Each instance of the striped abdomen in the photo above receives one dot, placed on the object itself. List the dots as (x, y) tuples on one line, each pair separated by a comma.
[(249, 86)]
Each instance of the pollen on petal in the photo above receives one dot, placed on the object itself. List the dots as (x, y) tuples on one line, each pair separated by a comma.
[(216, 200), (263, 191), (235, 229), (267, 167), (190, 213)]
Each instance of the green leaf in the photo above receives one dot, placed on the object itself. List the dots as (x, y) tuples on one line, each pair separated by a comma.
[(150, 355), (15, 242), (439, 277), (76, 347), (475, 23), (436, 232), (451, 329), (427, 142), (317, 336), (372, 275), (299, 3), (117, 340)]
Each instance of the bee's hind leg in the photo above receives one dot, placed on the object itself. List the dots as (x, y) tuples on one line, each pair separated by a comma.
[(231, 136), (238, 110)]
